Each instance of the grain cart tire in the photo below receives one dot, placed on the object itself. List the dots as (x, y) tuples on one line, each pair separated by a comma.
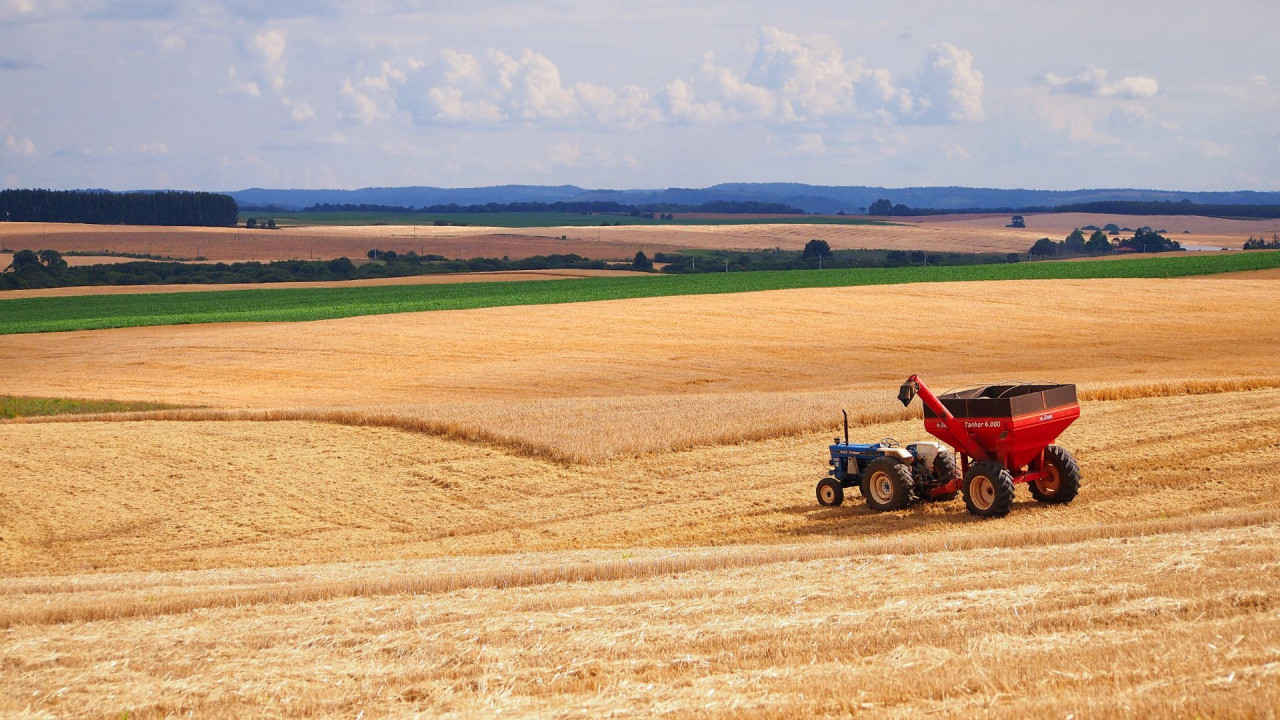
[(830, 493), (988, 489), (1063, 481), (886, 484), (944, 468)]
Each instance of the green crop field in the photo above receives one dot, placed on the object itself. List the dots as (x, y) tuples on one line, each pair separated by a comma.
[(88, 312), (535, 219), (13, 406)]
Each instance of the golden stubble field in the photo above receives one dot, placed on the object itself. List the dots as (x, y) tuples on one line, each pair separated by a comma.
[(962, 233), (608, 508)]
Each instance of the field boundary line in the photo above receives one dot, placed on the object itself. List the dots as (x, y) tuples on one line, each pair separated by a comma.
[(459, 431), (116, 607)]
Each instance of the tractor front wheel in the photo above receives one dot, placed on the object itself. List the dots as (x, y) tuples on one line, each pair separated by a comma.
[(988, 489), (1061, 481), (886, 484), (830, 493)]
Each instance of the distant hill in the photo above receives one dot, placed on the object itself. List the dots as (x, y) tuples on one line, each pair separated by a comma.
[(810, 198)]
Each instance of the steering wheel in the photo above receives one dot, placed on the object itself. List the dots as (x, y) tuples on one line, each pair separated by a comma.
[(889, 442)]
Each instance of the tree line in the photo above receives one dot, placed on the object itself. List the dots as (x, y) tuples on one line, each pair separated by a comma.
[(1254, 243), (725, 207), (817, 254), (1144, 240), (99, 207), (47, 269), (1110, 207)]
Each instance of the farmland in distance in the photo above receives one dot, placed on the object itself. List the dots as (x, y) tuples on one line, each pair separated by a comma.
[(607, 507), (960, 233)]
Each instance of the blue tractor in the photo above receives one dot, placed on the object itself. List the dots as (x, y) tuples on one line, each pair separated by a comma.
[(889, 477)]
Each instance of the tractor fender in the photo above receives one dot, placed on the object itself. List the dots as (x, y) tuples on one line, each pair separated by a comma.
[(899, 453)]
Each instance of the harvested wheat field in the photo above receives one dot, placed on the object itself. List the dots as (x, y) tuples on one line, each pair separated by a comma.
[(289, 492), (607, 509), (961, 233), (542, 371)]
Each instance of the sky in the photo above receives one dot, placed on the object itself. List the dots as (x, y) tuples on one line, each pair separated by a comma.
[(230, 94)]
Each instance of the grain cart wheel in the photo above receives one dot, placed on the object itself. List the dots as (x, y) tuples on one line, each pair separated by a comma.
[(944, 468), (988, 489), (1062, 480), (830, 493), (886, 484)]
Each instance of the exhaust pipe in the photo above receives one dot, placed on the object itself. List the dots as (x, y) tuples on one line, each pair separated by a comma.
[(846, 425)]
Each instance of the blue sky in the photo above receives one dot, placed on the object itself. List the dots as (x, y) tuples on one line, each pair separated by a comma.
[(230, 94)]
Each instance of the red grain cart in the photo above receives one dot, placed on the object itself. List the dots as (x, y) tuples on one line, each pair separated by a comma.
[(1003, 434)]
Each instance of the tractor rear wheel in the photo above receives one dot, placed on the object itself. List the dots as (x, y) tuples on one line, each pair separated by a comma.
[(887, 484), (988, 489), (1062, 477), (830, 492), (944, 468)]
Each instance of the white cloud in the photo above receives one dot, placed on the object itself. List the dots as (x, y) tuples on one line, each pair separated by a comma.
[(1130, 115), (1211, 149), (299, 110), (811, 80), (355, 106), (244, 88), (564, 154), (794, 80), (1092, 82), (810, 144), (269, 47), (948, 88), (17, 9), (370, 99), (19, 146), (156, 149), (1062, 116), (791, 81), (462, 89), (172, 43)]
